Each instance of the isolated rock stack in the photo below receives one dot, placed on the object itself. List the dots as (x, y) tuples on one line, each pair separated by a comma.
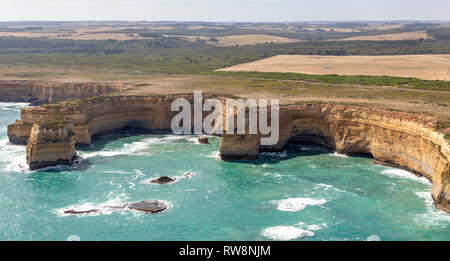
[(51, 143)]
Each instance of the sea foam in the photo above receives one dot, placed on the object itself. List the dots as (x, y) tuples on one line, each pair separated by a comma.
[(400, 173), (137, 147), (286, 233), (300, 230), (297, 204)]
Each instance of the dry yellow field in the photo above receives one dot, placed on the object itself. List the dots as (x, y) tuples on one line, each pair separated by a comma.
[(98, 33), (427, 67), (99, 36), (251, 39), (335, 29), (391, 37), (231, 40)]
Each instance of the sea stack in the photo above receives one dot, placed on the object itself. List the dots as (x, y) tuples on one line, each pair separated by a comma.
[(51, 142), (203, 139)]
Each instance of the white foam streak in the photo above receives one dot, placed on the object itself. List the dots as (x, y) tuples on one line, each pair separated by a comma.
[(13, 105), (286, 233), (298, 204), (400, 173), (138, 147), (433, 217), (337, 154)]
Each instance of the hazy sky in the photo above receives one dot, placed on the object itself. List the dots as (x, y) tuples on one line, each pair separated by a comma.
[(224, 10)]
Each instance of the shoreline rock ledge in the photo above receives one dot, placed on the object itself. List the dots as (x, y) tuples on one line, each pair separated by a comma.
[(51, 143)]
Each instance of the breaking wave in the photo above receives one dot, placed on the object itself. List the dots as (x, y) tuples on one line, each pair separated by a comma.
[(139, 146), (400, 173), (298, 204), (285, 233)]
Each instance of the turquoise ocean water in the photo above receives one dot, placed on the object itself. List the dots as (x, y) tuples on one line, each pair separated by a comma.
[(303, 193)]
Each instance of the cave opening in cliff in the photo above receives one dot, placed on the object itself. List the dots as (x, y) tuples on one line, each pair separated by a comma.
[(319, 140)]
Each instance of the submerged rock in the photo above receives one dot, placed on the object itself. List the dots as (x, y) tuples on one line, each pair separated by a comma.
[(203, 139), (75, 212), (163, 180), (188, 175), (151, 206)]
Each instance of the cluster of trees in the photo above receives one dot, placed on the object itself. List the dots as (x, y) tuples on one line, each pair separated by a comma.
[(175, 55), (440, 33)]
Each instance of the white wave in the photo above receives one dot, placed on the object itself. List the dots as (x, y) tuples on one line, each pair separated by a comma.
[(400, 173), (274, 154), (286, 233), (115, 172), (14, 105), (13, 157), (433, 217), (337, 154), (297, 204), (326, 186), (314, 227), (102, 154), (214, 155), (138, 147)]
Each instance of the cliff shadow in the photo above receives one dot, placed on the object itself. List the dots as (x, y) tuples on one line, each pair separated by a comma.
[(298, 146), (99, 141)]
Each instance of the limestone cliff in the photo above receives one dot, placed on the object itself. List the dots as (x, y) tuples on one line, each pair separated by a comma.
[(45, 92), (401, 139), (404, 140), (51, 143), (101, 114), (18, 133)]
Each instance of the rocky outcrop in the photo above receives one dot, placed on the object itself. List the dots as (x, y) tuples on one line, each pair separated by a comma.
[(19, 133), (163, 180), (78, 212), (188, 175), (203, 139), (148, 206), (51, 143), (45, 92), (401, 139)]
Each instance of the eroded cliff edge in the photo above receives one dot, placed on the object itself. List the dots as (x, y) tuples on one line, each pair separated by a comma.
[(45, 92), (405, 140)]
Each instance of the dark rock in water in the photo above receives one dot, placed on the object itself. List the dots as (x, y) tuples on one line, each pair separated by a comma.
[(163, 180), (188, 175), (75, 212), (151, 206), (203, 140)]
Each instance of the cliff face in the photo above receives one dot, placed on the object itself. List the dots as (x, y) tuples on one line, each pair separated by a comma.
[(100, 115), (405, 140), (400, 139), (51, 142), (18, 133), (41, 92)]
